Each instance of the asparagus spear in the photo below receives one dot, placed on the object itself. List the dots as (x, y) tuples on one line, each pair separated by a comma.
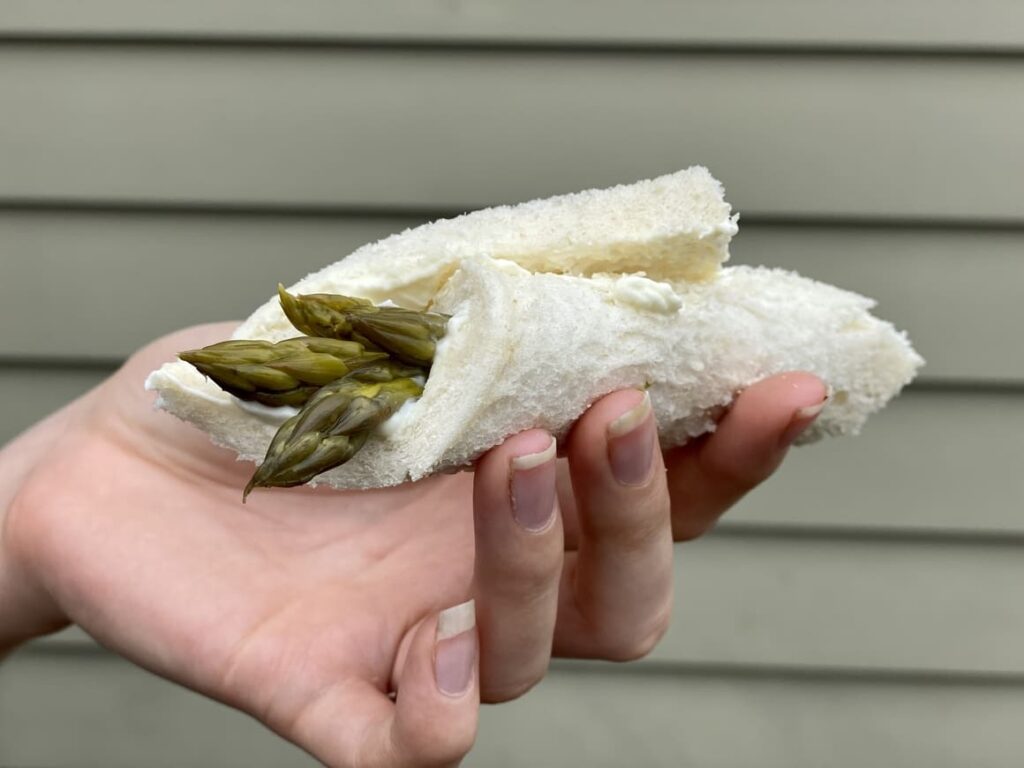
[(353, 370), (334, 424), (321, 314), (286, 373), (408, 335)]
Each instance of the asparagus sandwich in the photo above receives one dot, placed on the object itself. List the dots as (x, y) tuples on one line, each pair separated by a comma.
[(417, 353)]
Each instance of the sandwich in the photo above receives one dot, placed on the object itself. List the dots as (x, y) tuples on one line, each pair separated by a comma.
[(508, 318)]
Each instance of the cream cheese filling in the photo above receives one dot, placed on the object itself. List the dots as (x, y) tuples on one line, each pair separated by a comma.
[(275, 415), (641, 293)]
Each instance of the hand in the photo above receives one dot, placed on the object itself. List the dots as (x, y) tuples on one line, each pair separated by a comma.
[(602, 573), (306, 608)]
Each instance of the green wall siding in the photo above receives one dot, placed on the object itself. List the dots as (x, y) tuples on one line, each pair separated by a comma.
[(860, 609)]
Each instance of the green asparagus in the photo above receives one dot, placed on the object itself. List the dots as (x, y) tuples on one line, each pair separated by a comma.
[(321, 314), (408, 335), (286, 373), (334, 424), (353, 370)]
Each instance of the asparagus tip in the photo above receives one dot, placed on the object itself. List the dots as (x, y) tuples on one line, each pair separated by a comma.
[(249, 487)]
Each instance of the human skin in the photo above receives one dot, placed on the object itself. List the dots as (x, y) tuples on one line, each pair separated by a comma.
[(318, 611)]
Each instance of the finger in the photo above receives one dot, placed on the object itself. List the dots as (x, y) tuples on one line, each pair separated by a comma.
[(712, 474), (431, 722), (567, 506), (618, 591), (518, 563)]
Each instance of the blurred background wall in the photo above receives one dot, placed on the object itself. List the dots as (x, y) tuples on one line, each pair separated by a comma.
[(163, 164)]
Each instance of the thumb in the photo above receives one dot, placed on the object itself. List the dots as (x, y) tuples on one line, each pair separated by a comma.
[(438, 697), (431, 722)]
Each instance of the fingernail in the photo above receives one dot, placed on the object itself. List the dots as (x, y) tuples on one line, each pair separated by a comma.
[(631, 444), (802, 418), (455, 649), (533, 488)]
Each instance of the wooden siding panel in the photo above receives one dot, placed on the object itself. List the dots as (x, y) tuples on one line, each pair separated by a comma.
[(789, 135), (70, 711), (821, 603), (27, 394), (932, 460), (797, 641), (872, 604), (873, 23), (129, 277), (607, 721), (66, 711), (958, 293)]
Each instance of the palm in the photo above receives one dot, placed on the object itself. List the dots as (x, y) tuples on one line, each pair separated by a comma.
[(261, 605)]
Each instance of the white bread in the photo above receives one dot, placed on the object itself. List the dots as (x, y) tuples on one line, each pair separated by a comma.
[(547, 317)]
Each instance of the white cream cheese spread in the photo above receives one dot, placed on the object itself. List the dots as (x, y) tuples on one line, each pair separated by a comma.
[(269, 414), (396, 423), (640, 292)]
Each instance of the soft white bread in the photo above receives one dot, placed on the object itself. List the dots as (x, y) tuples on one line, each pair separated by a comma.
[(676, 227), (537, 334)]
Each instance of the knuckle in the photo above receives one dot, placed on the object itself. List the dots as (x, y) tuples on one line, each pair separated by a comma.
[(639, 643), (740, 476), (532, 577), (430, 737), (687, 530), (512, 680), (447, 747), (434, 747), (655, 633), (509, 691), (543, 577), (632, 527), (636, 539)]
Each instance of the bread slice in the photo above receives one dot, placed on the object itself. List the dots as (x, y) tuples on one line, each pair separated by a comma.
[(557, 302)]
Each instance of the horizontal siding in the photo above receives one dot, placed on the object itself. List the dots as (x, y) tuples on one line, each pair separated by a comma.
[(878, 604), (65, 711), (27, 394), (145, 275), (906, 23), (456, 129), (808, 605), (149, 273), (72, 711), (932, 461), (958, 294), (860, 609), (714, 721)]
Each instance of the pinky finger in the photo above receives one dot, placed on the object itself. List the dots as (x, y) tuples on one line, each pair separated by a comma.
[(712, 474)]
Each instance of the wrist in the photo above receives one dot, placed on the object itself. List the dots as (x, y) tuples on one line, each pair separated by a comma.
[(27, 610), (13, 615)]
